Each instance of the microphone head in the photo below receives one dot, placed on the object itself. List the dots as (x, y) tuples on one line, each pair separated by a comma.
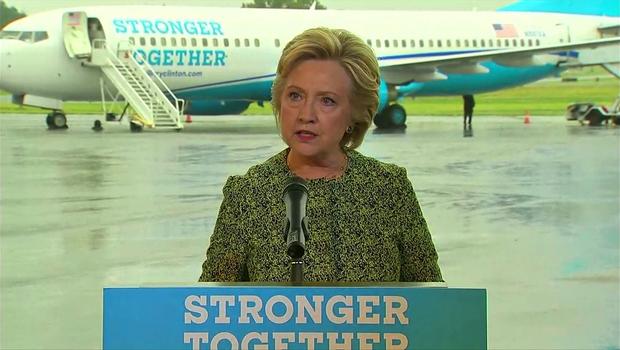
[(295, 183)]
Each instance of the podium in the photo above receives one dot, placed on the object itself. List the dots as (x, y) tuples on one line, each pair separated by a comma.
[(279, 316)]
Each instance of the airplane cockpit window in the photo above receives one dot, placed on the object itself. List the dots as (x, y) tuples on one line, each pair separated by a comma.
[(40, 36), (25, 36)]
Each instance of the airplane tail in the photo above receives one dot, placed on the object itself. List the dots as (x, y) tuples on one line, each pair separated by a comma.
[(576, 7)]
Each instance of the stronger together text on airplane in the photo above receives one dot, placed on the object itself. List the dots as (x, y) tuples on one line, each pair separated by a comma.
[(176, 56)]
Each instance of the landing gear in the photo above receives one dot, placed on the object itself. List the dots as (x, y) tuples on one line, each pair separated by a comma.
[(135, 127), (56, 120), (393, 117)]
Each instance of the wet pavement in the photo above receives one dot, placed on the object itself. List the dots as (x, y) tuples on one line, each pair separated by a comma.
[(530, 212)]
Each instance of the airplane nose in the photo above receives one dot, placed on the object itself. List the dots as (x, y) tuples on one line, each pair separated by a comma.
[(5, 58), (7, 65)]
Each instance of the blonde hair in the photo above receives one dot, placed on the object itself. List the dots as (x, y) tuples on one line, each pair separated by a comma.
[(353, 55)]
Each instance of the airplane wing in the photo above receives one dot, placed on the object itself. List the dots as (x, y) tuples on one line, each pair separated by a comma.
[(403, 69)]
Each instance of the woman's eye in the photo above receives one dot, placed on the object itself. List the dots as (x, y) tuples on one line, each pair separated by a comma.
[(294, 96), (328, 101)]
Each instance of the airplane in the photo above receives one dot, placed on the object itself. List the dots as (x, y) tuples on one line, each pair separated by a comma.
[(164, 61)]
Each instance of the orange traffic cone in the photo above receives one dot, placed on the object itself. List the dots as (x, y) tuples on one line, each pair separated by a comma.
[(188, 118), (526, 119)]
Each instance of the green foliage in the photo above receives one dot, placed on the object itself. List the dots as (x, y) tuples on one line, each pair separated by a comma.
[(8, 14), (283, 4)]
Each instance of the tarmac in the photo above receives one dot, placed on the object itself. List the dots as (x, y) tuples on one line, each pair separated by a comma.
[(531, 212)]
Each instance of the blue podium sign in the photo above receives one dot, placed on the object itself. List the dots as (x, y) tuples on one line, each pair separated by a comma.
[(294, 317)]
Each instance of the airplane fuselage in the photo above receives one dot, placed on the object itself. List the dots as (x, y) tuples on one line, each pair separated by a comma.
[(231, 54)]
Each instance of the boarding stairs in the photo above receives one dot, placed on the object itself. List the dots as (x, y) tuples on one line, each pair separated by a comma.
[(155, 106)]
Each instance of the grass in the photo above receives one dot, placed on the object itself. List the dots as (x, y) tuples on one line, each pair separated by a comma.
[(548, 97), (542, 98)]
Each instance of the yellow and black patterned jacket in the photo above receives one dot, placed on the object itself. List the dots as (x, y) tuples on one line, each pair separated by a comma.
[(365, 226)]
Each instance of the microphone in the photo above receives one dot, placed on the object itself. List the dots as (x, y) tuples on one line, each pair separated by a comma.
[(295, 197)]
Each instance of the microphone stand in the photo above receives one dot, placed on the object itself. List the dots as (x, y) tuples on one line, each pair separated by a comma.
[(296, 251), (296, 233)]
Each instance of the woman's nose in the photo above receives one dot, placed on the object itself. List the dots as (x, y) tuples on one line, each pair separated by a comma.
[(307, 113)]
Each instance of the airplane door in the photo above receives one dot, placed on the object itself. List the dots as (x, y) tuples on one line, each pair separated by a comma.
[(75, 34)]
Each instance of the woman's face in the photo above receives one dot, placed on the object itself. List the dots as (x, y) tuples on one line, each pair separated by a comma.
[(315, 109)]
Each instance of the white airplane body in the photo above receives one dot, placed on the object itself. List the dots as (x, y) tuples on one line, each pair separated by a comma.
[(216, 56)]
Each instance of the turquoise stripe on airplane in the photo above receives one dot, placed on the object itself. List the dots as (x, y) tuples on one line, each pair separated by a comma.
[(242, 90), (499, 77)]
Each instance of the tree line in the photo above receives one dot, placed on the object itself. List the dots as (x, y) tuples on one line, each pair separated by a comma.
[(9, 14)]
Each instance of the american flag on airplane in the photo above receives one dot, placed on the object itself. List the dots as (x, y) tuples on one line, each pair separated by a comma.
[(505, 30), (75, 19)]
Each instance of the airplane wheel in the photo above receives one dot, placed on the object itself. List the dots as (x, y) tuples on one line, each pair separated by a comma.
[(134, 127), (393, 117), (48, 121), (56, 120)]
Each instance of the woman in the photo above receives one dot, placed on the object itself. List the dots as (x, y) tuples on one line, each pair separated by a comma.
[(364, 219)]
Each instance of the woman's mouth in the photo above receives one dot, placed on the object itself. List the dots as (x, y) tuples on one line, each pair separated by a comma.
[(305, 135)]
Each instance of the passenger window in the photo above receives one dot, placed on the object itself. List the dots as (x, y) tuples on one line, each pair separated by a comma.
[(395, 43), (499, 42), (205, 42), (474, 43), (522, 42), (237, 42), (369, 42), (506, 42), (226, 43), (216, 42), (421, 43), (537, 42), (431, 43), (153, 42), (132, 41), (173, 42), (378, 42), (256, 42), (183, 42), (458, 43), (466, 43), (490, 43), (412, 42), (403, 43), (163, 42), (448, 43), (482, 44), (246, 42), (514, 42), (387, 43), (142, 41), (439, 43), (194, 43)]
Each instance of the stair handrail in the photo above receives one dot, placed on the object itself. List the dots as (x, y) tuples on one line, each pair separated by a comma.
[(145, 67), (114, 59)]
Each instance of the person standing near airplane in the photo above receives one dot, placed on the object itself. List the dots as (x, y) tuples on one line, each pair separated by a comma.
[(364, 220), (468, 109)]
